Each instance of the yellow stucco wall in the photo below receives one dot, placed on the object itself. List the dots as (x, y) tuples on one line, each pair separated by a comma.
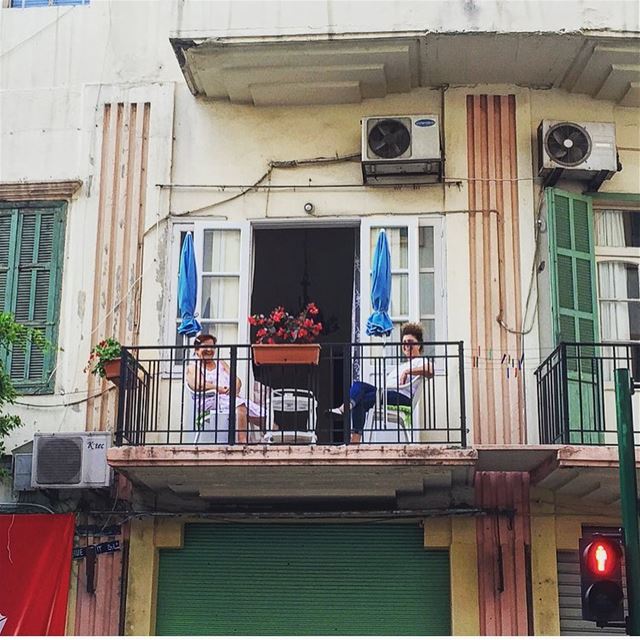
[(149, 535)]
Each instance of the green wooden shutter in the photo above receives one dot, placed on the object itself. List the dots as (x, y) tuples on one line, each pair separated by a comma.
[(298, 579), (575, 308), (574, 304), (8, 222), (31, 273)]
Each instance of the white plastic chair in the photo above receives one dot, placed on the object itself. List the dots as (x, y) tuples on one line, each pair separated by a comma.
[(209, 427), (395, 426), (292, 401), (200, 426)]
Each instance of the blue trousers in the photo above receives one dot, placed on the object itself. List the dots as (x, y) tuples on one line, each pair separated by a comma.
[(363, 398)]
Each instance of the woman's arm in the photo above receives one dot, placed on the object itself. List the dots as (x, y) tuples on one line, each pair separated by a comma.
[(238, 381), (422, 368), (196, 378)]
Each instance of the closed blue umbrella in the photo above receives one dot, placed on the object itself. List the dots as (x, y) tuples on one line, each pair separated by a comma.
[(188, 289), (379, 322)]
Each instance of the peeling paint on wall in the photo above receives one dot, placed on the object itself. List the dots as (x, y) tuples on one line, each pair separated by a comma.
[(121, 210)]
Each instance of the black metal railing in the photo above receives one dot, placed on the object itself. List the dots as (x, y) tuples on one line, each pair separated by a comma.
[(167, 397), (576, 394)]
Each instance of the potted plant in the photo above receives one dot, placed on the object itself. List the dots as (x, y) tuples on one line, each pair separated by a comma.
[(104, 360), (283, 338)]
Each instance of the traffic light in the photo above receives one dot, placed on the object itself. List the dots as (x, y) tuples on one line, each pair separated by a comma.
[(601, 579)]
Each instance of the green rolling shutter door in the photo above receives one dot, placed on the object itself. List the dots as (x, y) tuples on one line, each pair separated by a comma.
[(320, 579), (574, 305)]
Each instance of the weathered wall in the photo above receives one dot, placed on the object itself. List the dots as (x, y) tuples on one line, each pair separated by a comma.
[(277, 18), (504, 542), (112, 53)]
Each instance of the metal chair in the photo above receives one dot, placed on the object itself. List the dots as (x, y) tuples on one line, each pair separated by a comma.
[(296, 401)]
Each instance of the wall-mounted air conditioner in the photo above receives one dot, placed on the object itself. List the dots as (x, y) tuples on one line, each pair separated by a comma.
[(70, 460), (577, 151), (401, 149)]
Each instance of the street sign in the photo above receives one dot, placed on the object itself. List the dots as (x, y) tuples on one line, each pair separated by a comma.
[(103, 547)]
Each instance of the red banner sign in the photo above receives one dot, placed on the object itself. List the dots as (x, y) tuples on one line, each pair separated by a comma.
[(35, 565)]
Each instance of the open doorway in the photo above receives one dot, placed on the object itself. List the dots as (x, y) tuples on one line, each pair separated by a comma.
[(294, 266)]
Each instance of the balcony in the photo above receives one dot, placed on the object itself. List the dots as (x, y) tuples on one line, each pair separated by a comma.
[(576, 394), (184, 453), (289, 404)]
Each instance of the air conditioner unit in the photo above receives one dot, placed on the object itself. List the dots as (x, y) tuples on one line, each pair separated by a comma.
[(70, 460), (577, 151), (397, 149)]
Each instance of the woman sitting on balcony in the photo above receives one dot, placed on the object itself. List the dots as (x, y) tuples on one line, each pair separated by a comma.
[(402, 384), (209, 373)]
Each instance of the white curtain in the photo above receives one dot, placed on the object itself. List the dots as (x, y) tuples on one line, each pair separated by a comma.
[(610, 228), (614, 314)]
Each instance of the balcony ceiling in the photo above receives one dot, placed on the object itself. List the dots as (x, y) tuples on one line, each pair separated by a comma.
[(333, 70), (208, 475)]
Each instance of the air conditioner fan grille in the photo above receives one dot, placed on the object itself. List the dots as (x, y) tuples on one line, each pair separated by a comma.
[(389, 138), (568, 144), (59, 461)]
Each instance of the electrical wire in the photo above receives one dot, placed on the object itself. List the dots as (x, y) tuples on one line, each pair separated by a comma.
[(295, 163), (60, 404), (38, 32), (25, 504), (523, 331), (244, 189)]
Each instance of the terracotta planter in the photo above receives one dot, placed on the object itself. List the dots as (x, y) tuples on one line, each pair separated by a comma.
[(112, 370), (286, 353)]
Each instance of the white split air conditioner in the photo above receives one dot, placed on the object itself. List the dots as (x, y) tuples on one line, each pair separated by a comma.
[(70, 460), (577, 151), (401, 149)]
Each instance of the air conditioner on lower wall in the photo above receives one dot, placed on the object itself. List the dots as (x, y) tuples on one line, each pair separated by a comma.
[(70, 460)]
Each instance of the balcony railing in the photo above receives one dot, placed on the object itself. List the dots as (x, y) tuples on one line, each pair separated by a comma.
[(576, 393), (288, 404)]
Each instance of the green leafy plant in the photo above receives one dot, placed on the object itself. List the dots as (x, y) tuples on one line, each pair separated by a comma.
[(103, 352), (13, 336)]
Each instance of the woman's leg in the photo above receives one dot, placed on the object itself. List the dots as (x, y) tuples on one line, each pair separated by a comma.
[(363, 398), (359, 390), (241, 424), (397, 398)]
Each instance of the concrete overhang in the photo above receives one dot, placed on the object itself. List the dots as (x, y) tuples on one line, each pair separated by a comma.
[(424, 474), (215, 473), (333, 69), (588, 473)]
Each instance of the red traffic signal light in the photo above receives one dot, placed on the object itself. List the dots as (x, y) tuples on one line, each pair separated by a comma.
[(602, 557), (601, 579)]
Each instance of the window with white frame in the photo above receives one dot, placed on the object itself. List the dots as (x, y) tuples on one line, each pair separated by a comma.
[(617, 251), (23, 4), (417, 271), (221, 305)]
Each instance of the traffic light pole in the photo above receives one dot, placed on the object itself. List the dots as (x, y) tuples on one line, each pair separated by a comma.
[(628, 497)]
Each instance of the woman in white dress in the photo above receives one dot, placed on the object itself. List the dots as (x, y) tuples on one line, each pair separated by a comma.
[(210, 374)]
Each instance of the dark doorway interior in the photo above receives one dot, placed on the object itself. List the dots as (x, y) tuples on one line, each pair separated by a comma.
[(296, 266)]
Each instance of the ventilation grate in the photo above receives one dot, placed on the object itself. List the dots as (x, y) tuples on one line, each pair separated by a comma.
[(59, 460)]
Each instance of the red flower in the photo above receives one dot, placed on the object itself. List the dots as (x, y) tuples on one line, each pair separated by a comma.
[(280, 326)]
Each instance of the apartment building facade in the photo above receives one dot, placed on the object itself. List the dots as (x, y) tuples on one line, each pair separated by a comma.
[(514, 235)]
